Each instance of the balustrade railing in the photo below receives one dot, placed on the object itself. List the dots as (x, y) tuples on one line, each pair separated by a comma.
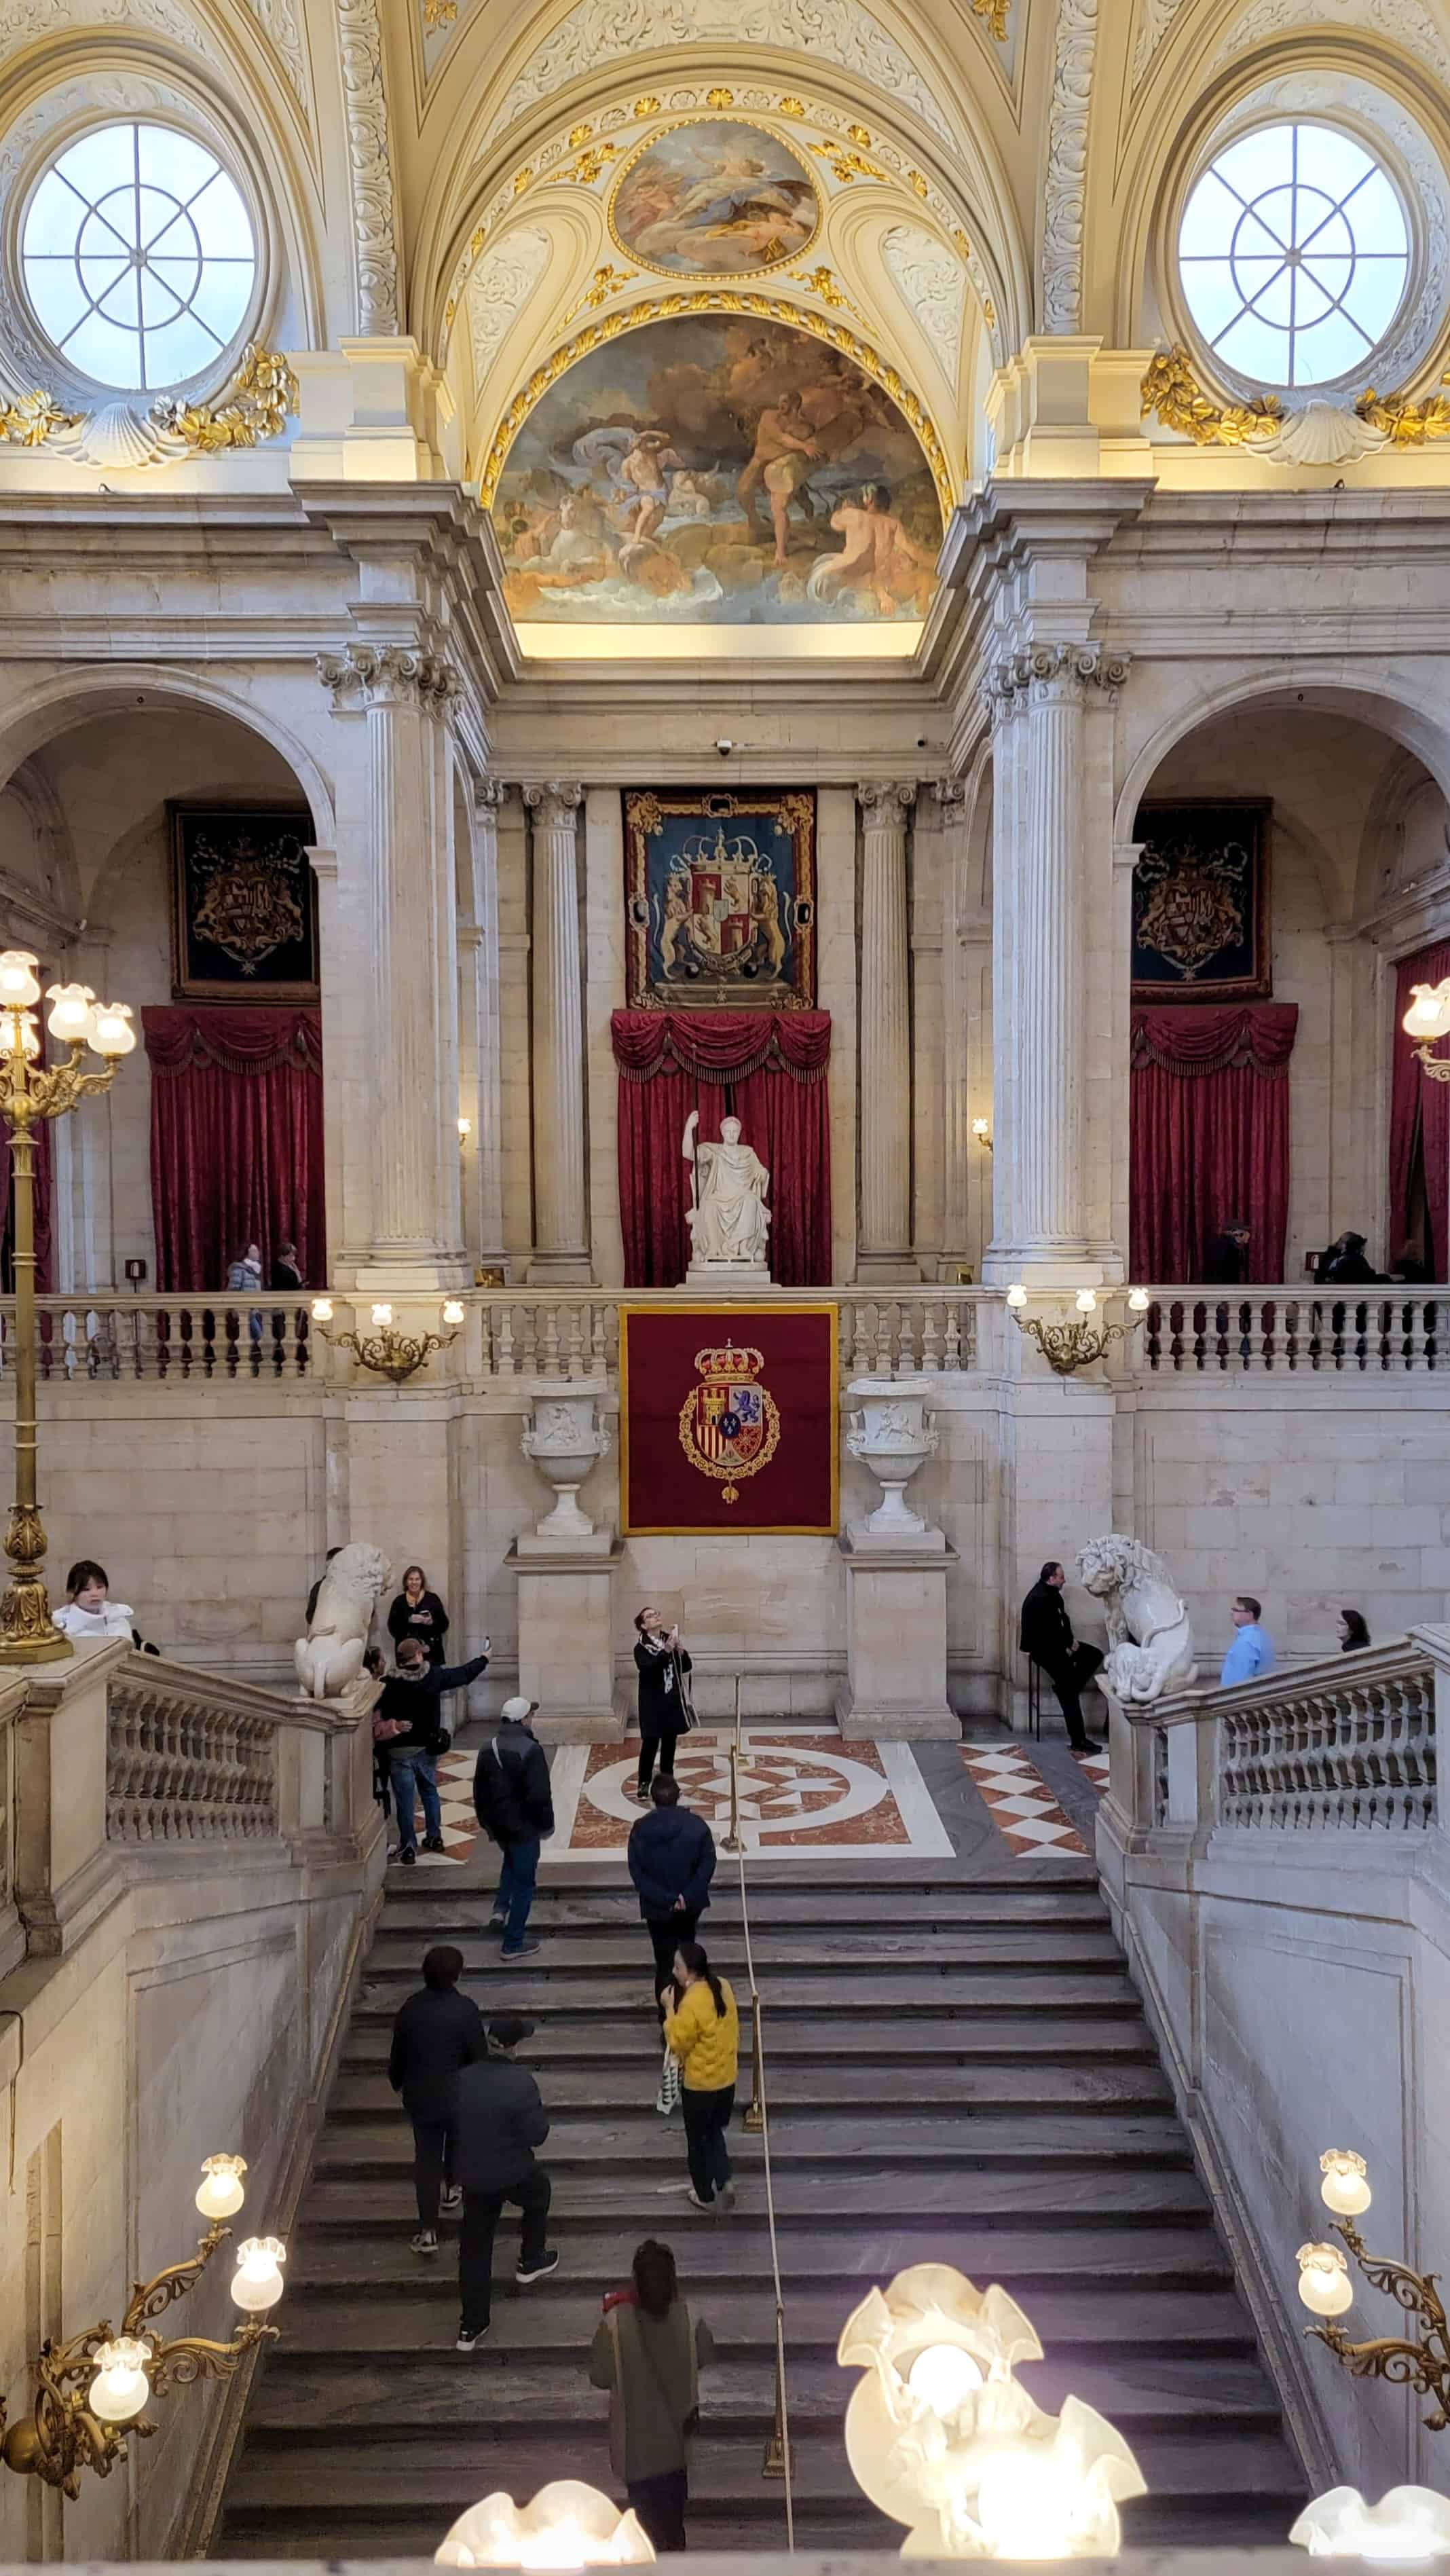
[(564, 1336), (1193, 1330), (1331, 1746), (164, 1337), (179, 1769)]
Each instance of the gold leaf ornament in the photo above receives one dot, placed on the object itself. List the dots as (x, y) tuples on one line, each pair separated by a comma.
[(254, 407), (1406, 424), (33, 418), (995, 13), (1172, 392)]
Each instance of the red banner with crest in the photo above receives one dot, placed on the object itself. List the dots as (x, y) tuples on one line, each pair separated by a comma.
[(728, 1419)]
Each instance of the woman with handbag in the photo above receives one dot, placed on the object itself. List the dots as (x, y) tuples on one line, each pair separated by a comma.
[(702, 2027), (665, 1712), (648, 2351)]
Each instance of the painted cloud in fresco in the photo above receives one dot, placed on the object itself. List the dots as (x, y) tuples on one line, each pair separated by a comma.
[(715, 198), (715, 471)]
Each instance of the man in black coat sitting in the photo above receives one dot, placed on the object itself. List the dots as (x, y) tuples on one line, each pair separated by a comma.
[(514, 1804), (671, 1861), (501, 2120), (1046, 1639), (437, 2033), (408, 1729)]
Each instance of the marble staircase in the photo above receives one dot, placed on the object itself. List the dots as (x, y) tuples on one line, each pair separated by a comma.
[(959, 2070)]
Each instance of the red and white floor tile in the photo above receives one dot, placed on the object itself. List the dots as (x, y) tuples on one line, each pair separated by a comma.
[(1022, 1807), (460, 1824), (810, 1795)]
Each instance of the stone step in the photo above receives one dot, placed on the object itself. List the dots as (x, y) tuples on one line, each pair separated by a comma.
[(952, 2194), (963, 2036), (1037, 2263), (419, 2314), (928, 2135), (305, 2395), (810, 1958), (799, 1873), (1009, 2088), (531, 1986), (604, 1910)]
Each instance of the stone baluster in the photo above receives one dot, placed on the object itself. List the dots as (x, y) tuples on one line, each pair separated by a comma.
[(885, 1242), (561, 1215)]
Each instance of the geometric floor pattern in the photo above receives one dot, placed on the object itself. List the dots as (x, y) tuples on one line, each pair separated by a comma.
[(808, 1794), (460, 1824), (1023, 1808)]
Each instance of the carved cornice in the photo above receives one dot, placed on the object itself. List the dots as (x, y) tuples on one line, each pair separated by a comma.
[(885, 807), (379, 675), (555, 804), (1039, 673)]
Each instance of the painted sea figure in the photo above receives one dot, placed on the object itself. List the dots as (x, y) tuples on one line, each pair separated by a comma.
[(709, 470), (715, 198)]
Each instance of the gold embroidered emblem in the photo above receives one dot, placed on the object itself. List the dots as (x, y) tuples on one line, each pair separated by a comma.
[(729, 1425), (252, 903)]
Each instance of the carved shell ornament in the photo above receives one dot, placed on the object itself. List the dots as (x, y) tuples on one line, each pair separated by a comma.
[(1318, 433)]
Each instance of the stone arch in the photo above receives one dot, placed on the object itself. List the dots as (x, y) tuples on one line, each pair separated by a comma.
[(70, 698), (1418, 724)]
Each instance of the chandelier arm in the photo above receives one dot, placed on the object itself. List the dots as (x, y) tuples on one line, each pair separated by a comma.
[(152, 2298)]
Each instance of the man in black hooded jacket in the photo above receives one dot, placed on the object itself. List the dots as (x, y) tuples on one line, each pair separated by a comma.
[(514, 1804), (671, 1861), (408, 1727)]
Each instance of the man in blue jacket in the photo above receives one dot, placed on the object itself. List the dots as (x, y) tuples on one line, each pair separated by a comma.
[(1252, 1651), (671, 1861)]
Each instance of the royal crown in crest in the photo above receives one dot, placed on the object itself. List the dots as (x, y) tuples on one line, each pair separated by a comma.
[(729, 1360)]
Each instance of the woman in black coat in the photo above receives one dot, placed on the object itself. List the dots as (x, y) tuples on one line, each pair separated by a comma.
[(417, 1612), (664, 1713)]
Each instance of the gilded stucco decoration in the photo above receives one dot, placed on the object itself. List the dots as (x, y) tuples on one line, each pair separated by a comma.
[(1317, 433), (499, 288), (370, 166), (933, 285), (1064, 188), (255, 407)]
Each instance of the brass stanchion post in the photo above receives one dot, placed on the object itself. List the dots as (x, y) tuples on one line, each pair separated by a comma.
[(779, 2461), (755, 2116)]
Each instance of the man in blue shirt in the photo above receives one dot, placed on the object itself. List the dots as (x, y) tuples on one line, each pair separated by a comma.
[(1252, 1651)]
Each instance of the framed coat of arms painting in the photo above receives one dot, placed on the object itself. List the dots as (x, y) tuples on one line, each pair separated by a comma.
[(720, 899), (243, 904), (1201, 901)]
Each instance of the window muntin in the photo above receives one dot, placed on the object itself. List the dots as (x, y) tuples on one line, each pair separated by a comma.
[(138, 256), (1293, 254)]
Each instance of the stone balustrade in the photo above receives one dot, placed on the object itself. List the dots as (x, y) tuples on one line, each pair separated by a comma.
[(181, 1769), (1191, 1331)]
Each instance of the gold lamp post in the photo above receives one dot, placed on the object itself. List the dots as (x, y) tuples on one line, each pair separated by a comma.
[(1427, 1019), (28, 1634)]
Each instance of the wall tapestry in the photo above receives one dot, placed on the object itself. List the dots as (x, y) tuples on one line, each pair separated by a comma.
[(244, 904), (714, 198), (1201, 901), (727, 1419), (719, 895), (715, 471)]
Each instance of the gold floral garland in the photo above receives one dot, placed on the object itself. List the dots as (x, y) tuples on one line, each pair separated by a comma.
[(255, 406), (1172, 392)]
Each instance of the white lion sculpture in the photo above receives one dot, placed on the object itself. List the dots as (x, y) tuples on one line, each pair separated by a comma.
[(329, 1657), (1150, 1640)]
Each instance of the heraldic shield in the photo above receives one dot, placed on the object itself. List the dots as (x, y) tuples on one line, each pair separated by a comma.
[(729, 1423)]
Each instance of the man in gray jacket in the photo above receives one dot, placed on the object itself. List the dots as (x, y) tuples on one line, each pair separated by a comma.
[(498, 2122)]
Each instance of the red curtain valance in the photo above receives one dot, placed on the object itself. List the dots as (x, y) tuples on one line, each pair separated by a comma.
[(722, 1046), (240, 1041), (1200, 1038)]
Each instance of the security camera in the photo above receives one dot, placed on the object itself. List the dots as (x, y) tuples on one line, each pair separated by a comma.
[(725, 748)]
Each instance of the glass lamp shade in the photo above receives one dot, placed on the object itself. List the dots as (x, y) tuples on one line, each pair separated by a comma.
[(1407, 2526), (1324, 2283), (567, 2525), (1345, 2188), (120, 2387), (111, 1032), (70, 1019), (1138, 1301), (221, 2194), (1427, 1017), (1030, 2503), (19, 983), (322, 1310), (1087, 1303), (257, 2281), (382, 1316), (944, 2376), (982, 1129), (1017, 1299), (452, 1310), (465, 1128)]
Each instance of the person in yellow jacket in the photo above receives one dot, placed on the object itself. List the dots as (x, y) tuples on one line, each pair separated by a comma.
[(702, 2028)]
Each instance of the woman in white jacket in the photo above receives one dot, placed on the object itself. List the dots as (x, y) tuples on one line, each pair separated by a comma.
[(88, 1610)]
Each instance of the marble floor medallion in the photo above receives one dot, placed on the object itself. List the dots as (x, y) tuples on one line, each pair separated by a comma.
[(811, 1796), (1023, 1808)]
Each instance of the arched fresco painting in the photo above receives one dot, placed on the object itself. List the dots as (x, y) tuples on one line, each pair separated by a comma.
[(715, 198)]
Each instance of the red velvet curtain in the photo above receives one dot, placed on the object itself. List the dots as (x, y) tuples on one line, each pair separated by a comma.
[(236, 1139), (1419, 1116), (1210, 1135), (770, 1067)]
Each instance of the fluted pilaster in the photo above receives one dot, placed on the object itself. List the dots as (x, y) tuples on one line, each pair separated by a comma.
[(885, 1041), (561, 1215)]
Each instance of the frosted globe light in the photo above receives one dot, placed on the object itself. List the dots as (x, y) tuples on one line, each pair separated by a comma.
[(1016, 1298), (944, 2376), (1087, 1303), (18, 984), (322, 1310), (382, 1315), (452, 1310), (1427, 1017), (465, 1128), (1345, 2188), (111, 1031), (982, 1128), (1324, 2283), (1138, 1301), (120, 2387), (70, 1021), (257, 2281), (221, 2194), (1031, 2503), (1408, 2526)]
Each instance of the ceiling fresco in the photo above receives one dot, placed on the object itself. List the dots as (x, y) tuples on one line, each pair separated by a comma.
[(715, 198)]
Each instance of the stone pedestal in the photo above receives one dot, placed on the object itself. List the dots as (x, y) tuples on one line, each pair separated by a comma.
[(896, 1635), (727, 1274), (566, 1635)]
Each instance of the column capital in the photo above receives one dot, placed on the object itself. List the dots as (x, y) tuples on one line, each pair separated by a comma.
[(489, 794), (373, 675), (885, 805), (951, 795), (555, 802), (1038, 674)]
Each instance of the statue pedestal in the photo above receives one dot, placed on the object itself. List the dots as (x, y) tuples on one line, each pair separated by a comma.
[(896, 1635), (566, 1635), (727, 1274)]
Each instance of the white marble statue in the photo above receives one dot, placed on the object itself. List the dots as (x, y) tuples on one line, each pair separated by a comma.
[(727, 1216), (1149, 1638), (329, 1657)]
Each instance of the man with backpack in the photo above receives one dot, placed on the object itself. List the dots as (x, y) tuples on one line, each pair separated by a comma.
[(408, 1730), (514, 1804)]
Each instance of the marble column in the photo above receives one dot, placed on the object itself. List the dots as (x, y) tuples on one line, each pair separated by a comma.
[(1043, 702), (393, 975), (479, 1065), (884, 1252), (561, 1210)]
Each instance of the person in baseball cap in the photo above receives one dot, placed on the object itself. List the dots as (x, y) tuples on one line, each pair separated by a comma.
[(514, 1805)]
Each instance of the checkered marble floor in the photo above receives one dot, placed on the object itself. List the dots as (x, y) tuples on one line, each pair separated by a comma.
[(460, 1825), (1022, 1807)]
